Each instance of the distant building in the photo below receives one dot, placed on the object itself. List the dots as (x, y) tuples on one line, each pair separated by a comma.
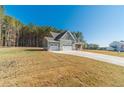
[(116, 46)]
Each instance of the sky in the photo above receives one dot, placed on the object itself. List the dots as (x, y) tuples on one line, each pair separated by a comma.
[(99, 24)]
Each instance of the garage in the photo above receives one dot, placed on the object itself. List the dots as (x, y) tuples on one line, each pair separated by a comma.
[(67, 48), (54, 48)]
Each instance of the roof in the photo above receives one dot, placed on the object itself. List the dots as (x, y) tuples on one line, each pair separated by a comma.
[(60, 35), (51, 39), (117, 43), (75, 36), (54, 35), (122, 42)]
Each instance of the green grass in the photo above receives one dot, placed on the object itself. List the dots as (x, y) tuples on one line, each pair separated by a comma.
[(34, 67)]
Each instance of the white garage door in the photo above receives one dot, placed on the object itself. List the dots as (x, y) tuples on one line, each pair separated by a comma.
[(67, 48), (54, 48)]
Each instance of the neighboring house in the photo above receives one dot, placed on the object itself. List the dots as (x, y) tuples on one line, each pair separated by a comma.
[(117, 46), (64, 41)]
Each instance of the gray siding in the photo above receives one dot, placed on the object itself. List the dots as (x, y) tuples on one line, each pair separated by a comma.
[(67, 40), (53, 44), (67, 36)]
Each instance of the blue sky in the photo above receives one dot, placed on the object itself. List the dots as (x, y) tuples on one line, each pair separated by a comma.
[(99, 24)]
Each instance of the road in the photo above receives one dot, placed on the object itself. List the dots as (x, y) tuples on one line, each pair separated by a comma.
[(100, 57)]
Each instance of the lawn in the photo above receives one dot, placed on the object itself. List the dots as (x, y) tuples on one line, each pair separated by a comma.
[(113, 53), (34, 67)]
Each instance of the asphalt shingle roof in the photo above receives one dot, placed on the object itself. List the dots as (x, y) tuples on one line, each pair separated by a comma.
[(50, 39), (60, 35)]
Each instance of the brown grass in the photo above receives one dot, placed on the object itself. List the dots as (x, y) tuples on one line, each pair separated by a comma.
[(34, 67), (113, 53)]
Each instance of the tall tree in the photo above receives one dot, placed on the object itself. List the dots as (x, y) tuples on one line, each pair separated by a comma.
[(18, 26), (25, 35), (79, 36), (1, 11), (1, 22)]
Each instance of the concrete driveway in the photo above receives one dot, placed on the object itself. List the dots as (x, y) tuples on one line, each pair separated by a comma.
[(96, 56)]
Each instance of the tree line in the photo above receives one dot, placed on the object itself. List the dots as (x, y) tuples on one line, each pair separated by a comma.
[(15, 33)]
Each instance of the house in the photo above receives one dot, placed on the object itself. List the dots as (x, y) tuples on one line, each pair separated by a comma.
[(64, 41), (117, 46)]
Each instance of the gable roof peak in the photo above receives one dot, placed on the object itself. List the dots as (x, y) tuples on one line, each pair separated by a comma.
[(54, 34), (60, 35)]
